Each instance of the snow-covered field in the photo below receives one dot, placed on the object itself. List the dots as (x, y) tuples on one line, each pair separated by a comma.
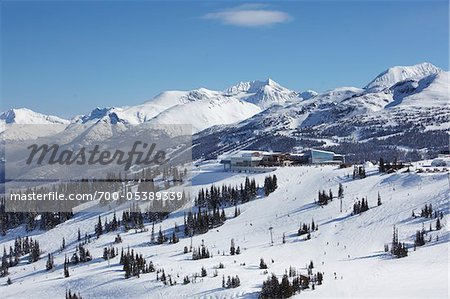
[(348, 248)]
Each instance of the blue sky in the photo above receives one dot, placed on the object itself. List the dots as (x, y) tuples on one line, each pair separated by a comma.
[(66, 58)]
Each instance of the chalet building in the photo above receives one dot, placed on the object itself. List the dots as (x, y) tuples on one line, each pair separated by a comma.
[(243, 160), (276, 159), (251, 160), (393, 167), (441, 161), (314, 156)]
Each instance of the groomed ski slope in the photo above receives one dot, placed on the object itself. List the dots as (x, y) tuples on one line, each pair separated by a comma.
[(348, 249)]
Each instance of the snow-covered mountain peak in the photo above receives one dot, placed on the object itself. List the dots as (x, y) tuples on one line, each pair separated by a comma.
[(262, 93), (27, 116), (397, 74), (308, 94), (99, 113), (23, 116), (199, 95), (272, 83), (253, 86)]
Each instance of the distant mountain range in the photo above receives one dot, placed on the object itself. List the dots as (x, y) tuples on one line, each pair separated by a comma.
[(405, 107), (202, 107)]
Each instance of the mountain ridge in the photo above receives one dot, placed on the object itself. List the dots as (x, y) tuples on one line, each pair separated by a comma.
[(265, 114), (400, 73), (28, 116), (263, 94)]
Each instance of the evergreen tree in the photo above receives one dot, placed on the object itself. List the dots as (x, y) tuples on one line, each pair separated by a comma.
[(118, 239), (99, 228), (161, 237), (35, 252), (303, 229), (340, 191), (200, 253), (398, 249), (222, 216), (324, 197), (50, 262), (262, 264), (151, 268), (186, 280), (152, 236), (438, 224), (270, 184), (360, 206), (69, 295), (203, 272), (285, 287), (232, 247), (174, 237), (114, 223), (271, 288), (274, 182), (381, 166), (420, 238), (5, 264), (319, 278), (66, 267)]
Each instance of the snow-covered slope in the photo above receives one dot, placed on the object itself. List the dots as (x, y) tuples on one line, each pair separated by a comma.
[(200, 114), (308, 94), (347, 248), (400, 73), (145, 111), (204, 114), (202, 107), (427, 92), (28, 124), (27, 116)]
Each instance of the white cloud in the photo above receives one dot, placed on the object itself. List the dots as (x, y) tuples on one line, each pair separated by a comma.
[(249, 15)]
